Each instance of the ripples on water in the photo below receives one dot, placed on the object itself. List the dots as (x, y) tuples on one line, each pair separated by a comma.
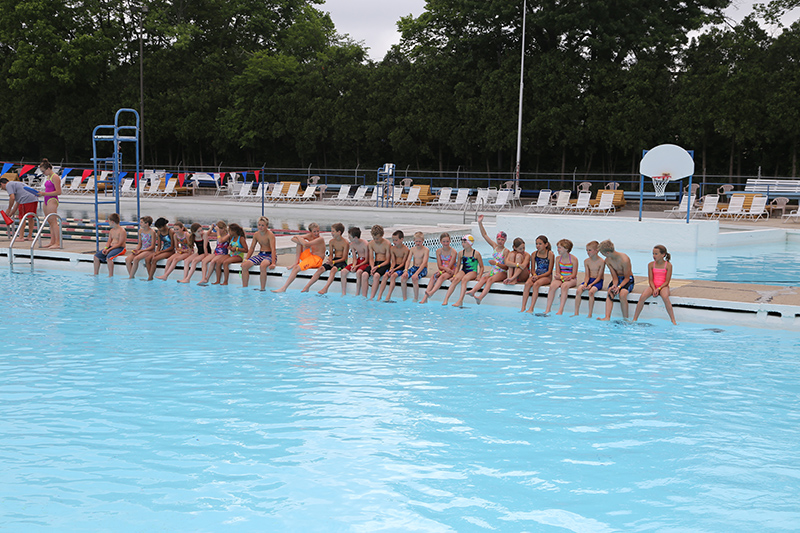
[(127, 404)]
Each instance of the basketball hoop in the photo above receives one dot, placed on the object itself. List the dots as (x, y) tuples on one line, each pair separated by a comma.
[(660, 183)]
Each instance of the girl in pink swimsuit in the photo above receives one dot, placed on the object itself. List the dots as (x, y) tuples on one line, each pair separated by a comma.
[(52, 188), (659, 273)]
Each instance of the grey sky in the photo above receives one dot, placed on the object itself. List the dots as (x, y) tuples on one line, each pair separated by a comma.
[(374, 22)]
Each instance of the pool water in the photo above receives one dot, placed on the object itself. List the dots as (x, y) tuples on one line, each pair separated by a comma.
[(133, 406)]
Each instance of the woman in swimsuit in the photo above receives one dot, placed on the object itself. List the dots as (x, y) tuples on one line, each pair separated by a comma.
[(659, 274), (52, 189), (237, 248), (201, 248), (166, 247), (183, 250), (542, 263), (445, 267), (220, 232), (144, 249), (471, 268), (497, 264), (566, 275)]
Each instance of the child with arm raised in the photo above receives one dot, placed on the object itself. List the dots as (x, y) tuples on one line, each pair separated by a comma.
[(497, 270), (593, 269), (659, 274), (566, 275)]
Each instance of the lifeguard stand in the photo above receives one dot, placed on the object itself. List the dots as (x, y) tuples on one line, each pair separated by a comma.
[(385, 196), (115, 134)]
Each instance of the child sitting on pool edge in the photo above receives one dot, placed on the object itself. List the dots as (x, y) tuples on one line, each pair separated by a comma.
[(659, 274), (335, 261), (619, 265), (310, 251), (114, 247)]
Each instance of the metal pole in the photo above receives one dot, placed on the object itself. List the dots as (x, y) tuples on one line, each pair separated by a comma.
[(521, 86), (142, 12)]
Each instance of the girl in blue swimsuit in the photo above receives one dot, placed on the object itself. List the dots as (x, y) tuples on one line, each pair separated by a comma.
[(471, 268), (165, 246), (542, 263)]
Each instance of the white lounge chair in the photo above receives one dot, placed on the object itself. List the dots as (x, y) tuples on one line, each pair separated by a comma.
[(277, 189), (794, 215), (127, 187), (758, 209), (734, 209), (562, 202), (709, 207), (605, 206), (342, 197), (256, 196), (74, 186), (358, 197), (581, 205), (443, 198), (372, 199), (502, 200), (482, 198), (153, 189), (542, 202), (245, 191), (308, 194), (412, 198), (89, 187), (462, 198), (291, 194), (680, 209)]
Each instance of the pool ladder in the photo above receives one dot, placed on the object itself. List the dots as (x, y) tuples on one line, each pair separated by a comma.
[(21, 228)]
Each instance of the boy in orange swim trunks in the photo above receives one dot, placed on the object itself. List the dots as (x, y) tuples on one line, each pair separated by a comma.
[(310, 253)]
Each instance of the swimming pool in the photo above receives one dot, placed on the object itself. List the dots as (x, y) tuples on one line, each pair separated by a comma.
[(142, 404)]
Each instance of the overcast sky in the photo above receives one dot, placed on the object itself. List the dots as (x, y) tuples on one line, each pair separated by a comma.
[(374, 22)]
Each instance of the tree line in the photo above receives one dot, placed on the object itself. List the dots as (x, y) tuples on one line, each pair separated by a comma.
[(271, 83)]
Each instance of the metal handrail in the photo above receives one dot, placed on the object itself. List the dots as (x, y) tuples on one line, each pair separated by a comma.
[(41, 229), (16, 234)]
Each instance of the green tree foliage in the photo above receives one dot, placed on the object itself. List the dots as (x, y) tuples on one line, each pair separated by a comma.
[(254, 82)]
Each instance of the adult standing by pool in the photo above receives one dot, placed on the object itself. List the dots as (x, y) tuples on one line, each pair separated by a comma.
[(52, 189), (22, 200)]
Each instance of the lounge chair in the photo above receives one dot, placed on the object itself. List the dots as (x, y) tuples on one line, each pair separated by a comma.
[(74, 186), (605, 206), (734, 209), (581, 205), (709, 207), (127, 187), (562, 202), (757, 210), (244, 192), (443, 198), (680, 209), (542, 202), (372, 199), (358, 196), (291, 194), (342, 197), (502, 200), (412, 198), (462, 198)]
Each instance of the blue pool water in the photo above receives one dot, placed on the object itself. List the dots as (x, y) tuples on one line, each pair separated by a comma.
[(128, 406)]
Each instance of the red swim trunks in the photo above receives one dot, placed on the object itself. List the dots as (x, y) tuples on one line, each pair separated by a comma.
[(359, 266), (27, 208)]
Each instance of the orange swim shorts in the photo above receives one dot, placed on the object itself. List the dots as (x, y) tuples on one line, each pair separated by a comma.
[(309, 260)]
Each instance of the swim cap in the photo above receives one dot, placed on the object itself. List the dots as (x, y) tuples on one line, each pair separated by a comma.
[(469, 238), (502, 235)]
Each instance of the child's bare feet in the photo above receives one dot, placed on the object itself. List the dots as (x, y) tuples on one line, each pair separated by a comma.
[(322, 291), (305, 289), (279, 290), (604, 319), (162, 278)]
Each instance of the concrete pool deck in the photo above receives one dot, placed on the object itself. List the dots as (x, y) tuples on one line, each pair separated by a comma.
[(763, 306)]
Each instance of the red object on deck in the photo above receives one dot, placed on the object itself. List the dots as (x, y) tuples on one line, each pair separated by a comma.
[(7, 219)]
